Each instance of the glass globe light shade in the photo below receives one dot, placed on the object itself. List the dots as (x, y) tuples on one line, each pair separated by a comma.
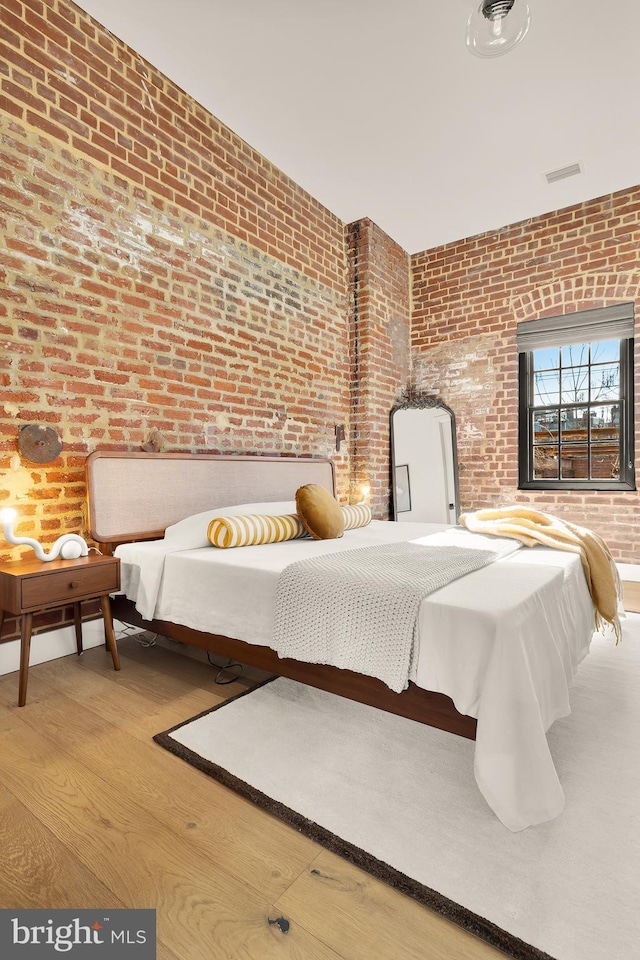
[(497, 26)]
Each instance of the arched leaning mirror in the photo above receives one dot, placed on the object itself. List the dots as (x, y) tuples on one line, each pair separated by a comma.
[(424, 472)]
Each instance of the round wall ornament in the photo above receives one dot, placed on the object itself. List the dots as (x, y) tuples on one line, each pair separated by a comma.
[(39, 444)]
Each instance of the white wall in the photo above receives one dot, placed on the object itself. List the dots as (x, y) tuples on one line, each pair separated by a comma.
[(51, 645)]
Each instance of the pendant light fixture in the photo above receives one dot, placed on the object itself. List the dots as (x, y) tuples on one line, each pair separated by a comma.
[(497, 26)]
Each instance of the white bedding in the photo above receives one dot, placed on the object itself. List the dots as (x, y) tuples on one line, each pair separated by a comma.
[(503, 642)]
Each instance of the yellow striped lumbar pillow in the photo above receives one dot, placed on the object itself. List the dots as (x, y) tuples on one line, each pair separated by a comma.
[(252, 529), (356, 515)]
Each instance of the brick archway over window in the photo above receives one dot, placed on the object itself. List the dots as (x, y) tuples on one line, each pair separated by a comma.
[(585, 292)]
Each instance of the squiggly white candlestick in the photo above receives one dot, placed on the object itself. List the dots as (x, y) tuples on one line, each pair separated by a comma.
[(69, 546)]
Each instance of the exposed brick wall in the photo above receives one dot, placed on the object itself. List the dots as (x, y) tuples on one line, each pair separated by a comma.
[(66, 76), (157, 275), (380, 328), (469, 296)]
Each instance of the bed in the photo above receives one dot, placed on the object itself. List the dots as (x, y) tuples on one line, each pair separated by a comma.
[(498, 648)]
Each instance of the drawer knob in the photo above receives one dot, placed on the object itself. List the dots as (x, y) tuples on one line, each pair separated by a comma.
[(74, 583)]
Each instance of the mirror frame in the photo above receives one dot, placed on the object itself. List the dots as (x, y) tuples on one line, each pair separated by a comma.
[(425, 402)]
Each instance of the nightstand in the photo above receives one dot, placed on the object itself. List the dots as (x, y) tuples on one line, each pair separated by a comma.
[(27, 586)]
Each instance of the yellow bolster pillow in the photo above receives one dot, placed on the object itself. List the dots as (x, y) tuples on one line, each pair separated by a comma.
[(252, 529), (356, 515)]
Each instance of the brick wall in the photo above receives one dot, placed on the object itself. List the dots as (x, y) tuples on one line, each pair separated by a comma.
[(379, 283), (158, 277), (468, 297)]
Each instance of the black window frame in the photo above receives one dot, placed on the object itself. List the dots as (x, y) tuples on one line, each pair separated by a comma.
[(588, 326)]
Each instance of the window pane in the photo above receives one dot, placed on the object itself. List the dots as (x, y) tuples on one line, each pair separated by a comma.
[(546, 359), (545, 463), (605, 421), (576, 354), (574, 421), (574, 461), (575, 385), (545, 426), (605, 382), (605, 461), (605, 351), (545, 388)]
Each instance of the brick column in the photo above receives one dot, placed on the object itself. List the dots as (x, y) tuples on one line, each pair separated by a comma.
[(380, 316)]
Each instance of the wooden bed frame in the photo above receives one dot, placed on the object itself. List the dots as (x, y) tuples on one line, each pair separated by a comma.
[(136, 496)]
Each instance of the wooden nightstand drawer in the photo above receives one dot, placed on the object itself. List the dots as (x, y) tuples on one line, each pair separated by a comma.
[(68, 585), (28, 585)]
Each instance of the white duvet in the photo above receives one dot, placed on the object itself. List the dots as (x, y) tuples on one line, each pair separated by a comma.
[(503, 642)]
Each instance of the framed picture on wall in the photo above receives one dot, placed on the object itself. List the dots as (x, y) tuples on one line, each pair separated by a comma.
[(403, 489)]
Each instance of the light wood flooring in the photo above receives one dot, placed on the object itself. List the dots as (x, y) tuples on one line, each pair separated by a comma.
[(94, 814)]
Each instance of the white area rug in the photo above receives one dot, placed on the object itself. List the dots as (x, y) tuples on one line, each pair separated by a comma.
[(400, 799)]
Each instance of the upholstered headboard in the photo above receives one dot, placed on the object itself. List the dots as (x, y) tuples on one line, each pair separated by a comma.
[(136, 496)]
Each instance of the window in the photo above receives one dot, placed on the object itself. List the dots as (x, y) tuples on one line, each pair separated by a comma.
[(576, 401)]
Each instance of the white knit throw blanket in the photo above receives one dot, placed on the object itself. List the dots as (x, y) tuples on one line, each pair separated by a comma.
[(358, 609)]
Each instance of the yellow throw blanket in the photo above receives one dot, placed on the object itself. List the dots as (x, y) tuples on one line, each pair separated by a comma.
[(532, 527)]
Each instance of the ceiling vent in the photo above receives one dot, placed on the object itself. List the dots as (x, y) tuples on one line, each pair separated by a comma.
[(563, 172)]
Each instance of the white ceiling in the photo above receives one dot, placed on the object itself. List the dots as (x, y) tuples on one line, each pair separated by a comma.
[(378, 110)]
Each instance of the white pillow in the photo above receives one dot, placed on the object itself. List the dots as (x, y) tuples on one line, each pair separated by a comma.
[(190, 533)]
